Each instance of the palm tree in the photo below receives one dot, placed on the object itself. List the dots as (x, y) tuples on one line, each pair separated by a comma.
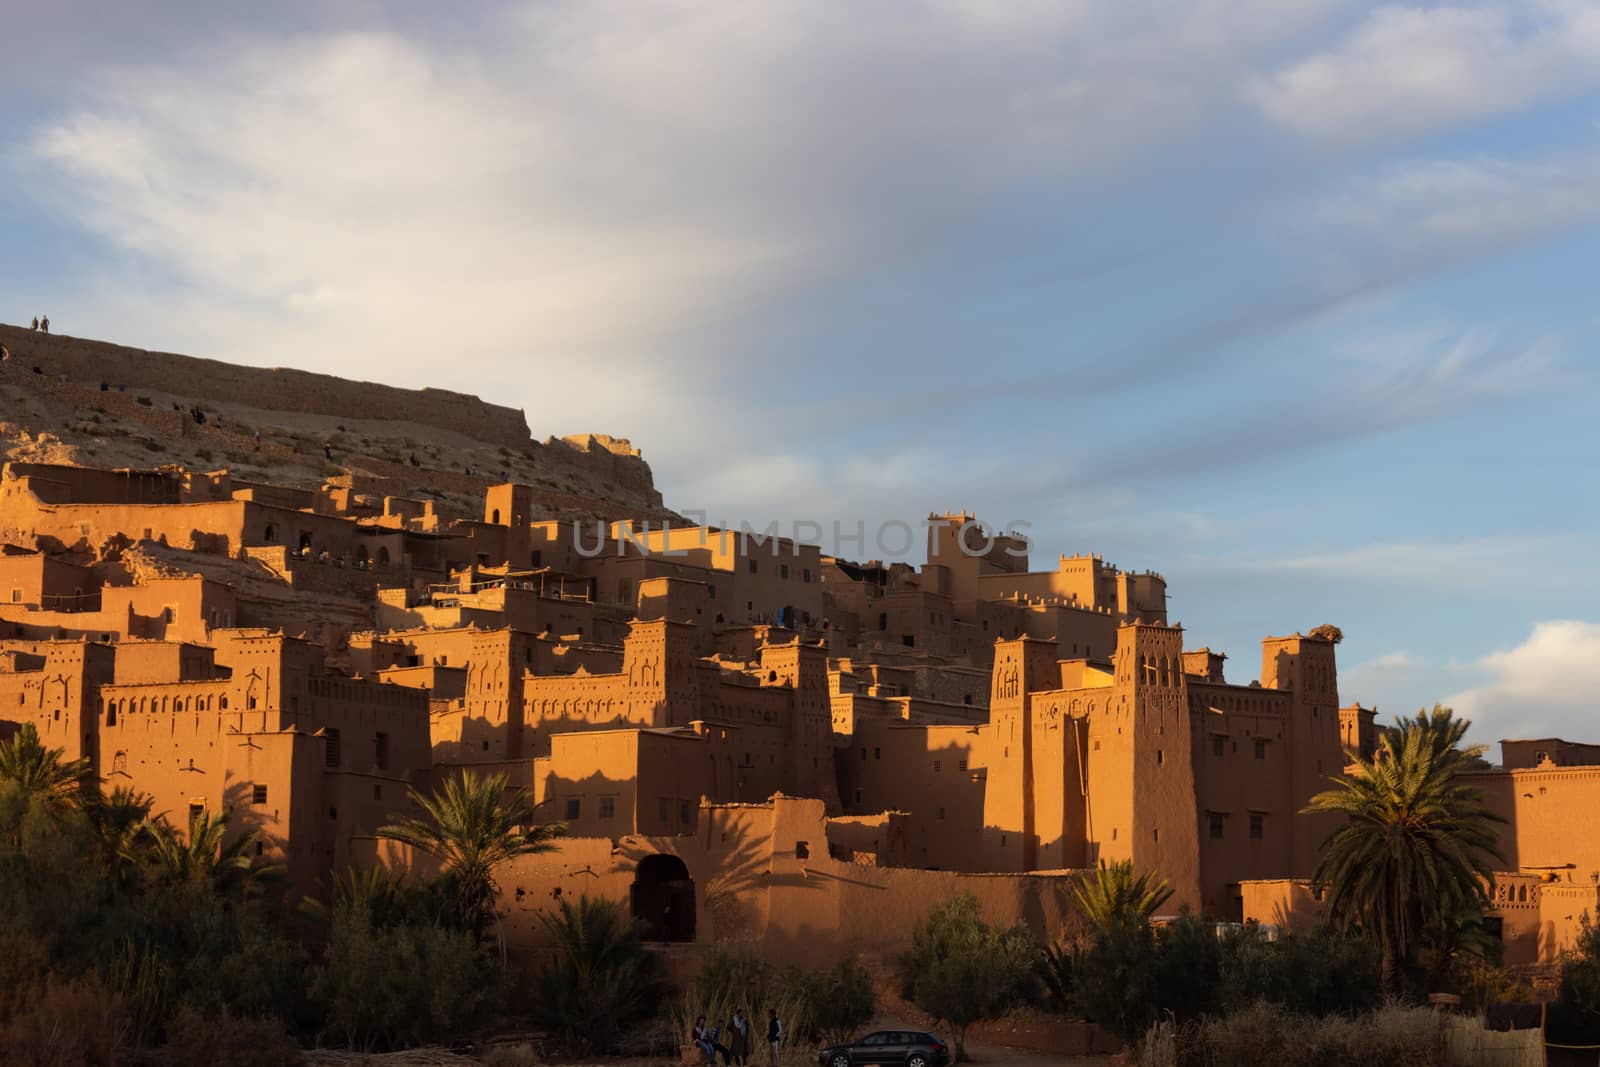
[(600, 977), (42, 772), (205, 857), (119, 819), (1416, 848), (381, 893), (472, 825), (1112, 895)]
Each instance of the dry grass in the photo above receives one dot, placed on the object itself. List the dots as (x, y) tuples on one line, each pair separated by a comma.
[(66, 1024), (1392, 1036)]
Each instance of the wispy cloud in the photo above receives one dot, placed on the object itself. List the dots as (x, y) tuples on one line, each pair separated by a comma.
[(1405, 70)]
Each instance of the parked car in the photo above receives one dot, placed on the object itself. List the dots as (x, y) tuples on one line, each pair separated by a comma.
[(914, 1048)]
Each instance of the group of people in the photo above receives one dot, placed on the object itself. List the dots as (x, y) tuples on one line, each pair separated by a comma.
[(42, 325), (736, 1033)]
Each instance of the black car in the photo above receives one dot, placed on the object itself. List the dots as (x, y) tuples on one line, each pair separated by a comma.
[(914, 1048)]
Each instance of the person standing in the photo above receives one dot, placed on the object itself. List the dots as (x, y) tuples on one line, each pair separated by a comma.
[(44, 324), (774, 1034), (35, 325), (739, 1038)]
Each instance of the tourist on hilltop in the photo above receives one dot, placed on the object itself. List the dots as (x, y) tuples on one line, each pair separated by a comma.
[(739, 1038), (774, 1034), (35, 325), (44, 324)]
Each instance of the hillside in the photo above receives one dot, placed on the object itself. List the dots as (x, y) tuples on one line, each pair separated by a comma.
[(71, 400)]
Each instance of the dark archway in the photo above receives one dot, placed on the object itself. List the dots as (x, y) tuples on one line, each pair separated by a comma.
[(305, 542), (663, 898)]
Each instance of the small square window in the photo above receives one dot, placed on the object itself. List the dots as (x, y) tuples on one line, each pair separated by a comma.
[(664, 809), (683, 812), (333, 813), (574, 807), (1261, 749), (936, 764), (377, 792), (752, 566), (941, 813), (1217, 745), (858, 796), (1216, 821), (802, 850), (783, 570), (1257, 825), (963, 764), (608, 807), (258, 794)]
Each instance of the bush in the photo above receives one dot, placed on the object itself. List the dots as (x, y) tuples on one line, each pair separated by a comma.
[(404, 985), (602, 978), (1575, 1014), (840, 1000), (1392, 1036), (228, 1040), (961, 970), (1318, 973), (65, 1023), (1114, 981)]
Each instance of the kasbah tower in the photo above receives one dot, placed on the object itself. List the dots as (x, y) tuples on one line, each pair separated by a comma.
[(743, 736)]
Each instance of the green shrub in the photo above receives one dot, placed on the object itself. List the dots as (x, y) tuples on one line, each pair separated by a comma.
[(404, 985), (960, 970), (1575, 1014), (1316, 973), (601, 980), (1114, 980), (841, 1000)]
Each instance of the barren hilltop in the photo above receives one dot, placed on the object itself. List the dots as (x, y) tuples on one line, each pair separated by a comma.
[(92, 403)]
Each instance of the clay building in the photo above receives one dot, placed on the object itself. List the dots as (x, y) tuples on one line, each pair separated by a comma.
[(743, 736)]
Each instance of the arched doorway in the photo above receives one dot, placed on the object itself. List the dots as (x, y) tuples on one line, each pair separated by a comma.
[(663, 898)]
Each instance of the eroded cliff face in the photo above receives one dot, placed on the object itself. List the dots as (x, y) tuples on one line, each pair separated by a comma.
[(70, 400)]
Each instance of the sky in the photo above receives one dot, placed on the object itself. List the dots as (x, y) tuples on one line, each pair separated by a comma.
[(1289, 300)]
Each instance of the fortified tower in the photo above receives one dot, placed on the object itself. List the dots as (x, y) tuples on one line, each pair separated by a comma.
[(1305, 667), (1140, 777), (1022, 667), (658, 658), (810, 734)]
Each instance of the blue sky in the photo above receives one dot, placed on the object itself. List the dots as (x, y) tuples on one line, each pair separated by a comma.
[(1291, 300)]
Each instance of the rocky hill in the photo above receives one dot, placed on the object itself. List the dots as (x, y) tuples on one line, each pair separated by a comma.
[(70, 400)]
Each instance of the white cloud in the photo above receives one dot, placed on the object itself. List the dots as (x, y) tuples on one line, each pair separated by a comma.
[(1549, 685), (1407, 70), (553, 192), (1442, 208)]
